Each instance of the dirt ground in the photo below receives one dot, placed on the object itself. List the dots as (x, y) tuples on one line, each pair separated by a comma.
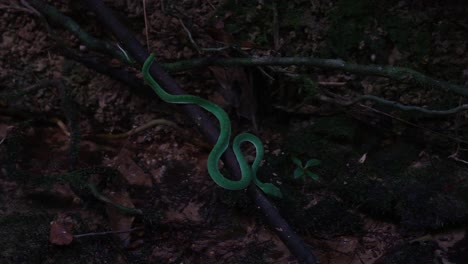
[(76, 144)]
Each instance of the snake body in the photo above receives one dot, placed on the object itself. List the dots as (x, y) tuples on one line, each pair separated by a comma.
[(248, 173)]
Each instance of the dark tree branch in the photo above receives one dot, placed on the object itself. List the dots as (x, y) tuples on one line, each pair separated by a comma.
[(137, 51), (58, 18), (99, 65)]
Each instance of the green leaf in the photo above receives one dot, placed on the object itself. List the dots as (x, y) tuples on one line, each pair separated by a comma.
[(314, 176), (297, 161), (298, 173), (312, 162)]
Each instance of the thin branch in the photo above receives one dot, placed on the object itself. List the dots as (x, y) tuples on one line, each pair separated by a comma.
[(150, 124), (398, 105), (28, 6), (107, 232), (15, 7), (335, 101), (455, 156), (189, 34), (100, 197), (146, 25), (396, 73)]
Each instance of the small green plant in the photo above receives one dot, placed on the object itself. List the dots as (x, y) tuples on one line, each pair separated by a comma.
[(302, 170)]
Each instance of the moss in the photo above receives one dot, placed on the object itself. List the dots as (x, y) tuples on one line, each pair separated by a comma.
[(370, 194), (386, 185), (415, 198), (420, 208), (429, 198), (331, 217), (393, 159)]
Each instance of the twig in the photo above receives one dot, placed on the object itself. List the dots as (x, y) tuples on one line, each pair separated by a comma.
[(61, 125), (13, 7), (414, 125), (276, 39), (403, 107), (455, 157), (136, 130), (146, 25), (124, 209), (332, 83), (189, 34), (396, 73), (107, 232), (331, 100), (211, 4), (28, 6), (215, 49)]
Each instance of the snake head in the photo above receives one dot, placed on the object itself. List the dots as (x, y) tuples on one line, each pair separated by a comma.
[(272, 190)]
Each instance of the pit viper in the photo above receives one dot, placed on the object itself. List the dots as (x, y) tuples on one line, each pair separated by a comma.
[(248, 173)]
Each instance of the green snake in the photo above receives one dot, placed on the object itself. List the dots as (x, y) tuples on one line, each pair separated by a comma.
[(248, 173)]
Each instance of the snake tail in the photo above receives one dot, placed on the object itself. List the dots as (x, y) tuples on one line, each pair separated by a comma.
[(248, 174)]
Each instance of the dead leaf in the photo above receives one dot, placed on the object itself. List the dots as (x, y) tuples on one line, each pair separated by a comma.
[(61, 232), (131, 171), (394, 56), (117, 220), (220, 35), (190, 213), (363, 158), (4, 129)]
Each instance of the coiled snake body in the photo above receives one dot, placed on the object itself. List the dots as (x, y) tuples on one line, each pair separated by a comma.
[(248, 173)]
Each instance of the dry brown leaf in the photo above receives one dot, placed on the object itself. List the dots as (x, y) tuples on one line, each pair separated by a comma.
[(61, 232), (131, 171), (190, 213), (117, 220)]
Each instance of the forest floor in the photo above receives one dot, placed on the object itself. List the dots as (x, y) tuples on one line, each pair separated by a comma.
[(392, 186)]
